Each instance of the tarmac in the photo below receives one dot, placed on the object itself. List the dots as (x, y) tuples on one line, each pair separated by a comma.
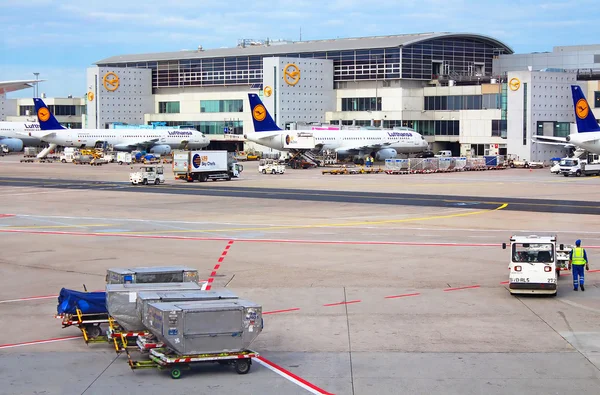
[(385, 284)]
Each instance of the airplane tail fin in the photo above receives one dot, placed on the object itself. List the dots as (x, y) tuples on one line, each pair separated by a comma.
[(45, 117), (260, 116), (586, 121)]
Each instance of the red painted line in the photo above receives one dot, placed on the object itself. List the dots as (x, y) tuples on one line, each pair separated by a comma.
[(342, 303), (401, 296), (218, 265), (292, 377), (594, 271), (34, 342), (280, 311), (6, 215), (505, 282), (459, 288)]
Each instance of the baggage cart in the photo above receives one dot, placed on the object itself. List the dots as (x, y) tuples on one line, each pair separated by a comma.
[(166, 359)]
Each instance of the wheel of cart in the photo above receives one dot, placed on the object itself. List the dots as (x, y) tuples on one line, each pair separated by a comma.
[(242, 366)]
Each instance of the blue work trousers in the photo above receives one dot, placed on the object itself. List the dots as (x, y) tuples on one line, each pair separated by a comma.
[(578, 271)]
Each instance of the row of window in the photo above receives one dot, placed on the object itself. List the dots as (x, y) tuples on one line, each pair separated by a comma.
[(361, 104), (59, 110), (221, 106), (211, 127), (596, 99), (553, 128), (173, 107), (466, 102), (417, 61)]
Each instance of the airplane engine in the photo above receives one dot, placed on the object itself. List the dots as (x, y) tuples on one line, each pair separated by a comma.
[(14, 145), (386, 153), (162, 149)]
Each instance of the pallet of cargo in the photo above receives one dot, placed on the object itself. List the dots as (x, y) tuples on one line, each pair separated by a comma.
[(163, 358)]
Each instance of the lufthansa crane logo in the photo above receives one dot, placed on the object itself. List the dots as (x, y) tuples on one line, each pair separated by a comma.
[(259, 112), (43, 114), (291, 74), (111, 81), (514, 84), (268, 91), (582, 109), (90, 95)]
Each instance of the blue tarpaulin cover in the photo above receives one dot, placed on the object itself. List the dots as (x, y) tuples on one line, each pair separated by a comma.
[(87, 302)]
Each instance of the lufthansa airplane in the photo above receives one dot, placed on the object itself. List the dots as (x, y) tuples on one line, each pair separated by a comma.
[(159, 141), (16, 135), (588, 136), (381, 144)]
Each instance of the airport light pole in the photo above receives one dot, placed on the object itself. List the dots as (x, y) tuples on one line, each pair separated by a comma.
[(35, 88)]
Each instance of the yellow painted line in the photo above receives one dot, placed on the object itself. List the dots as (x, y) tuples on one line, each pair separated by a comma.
[(330, 225), (57, 226)]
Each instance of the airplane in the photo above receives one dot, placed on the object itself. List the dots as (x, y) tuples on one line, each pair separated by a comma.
[(160, 141), (380, 143), (588, 136), (16, 135)]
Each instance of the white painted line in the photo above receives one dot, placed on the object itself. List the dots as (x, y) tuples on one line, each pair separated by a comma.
[(35, 342), (27, 299)]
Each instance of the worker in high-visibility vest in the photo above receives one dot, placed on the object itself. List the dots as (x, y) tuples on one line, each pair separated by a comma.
[(577, 260)]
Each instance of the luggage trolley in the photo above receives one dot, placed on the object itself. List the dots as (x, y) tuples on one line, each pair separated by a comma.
[(164, 358), (122, 339), (86, 310)]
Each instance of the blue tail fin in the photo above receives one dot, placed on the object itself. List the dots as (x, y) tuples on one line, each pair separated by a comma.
[(45, 117), (260, 116), (586, 121)]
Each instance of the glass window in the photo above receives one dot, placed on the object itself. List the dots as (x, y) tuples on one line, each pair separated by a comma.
[(596, 99), (168, 107)]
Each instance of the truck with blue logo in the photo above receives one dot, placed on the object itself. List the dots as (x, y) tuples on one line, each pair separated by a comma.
[(205, 165)]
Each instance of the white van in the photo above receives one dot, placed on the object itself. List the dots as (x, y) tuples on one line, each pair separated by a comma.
[(532, 265), (444, 154)]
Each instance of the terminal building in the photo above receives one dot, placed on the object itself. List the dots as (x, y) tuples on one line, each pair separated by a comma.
[(440, 84)]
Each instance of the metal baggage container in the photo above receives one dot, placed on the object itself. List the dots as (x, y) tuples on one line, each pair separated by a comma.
[(121, 300), (146, 298), (461, 163), (191, 328), (160, 274)]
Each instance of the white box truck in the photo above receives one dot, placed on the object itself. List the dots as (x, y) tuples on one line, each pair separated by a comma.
[(205, 165)]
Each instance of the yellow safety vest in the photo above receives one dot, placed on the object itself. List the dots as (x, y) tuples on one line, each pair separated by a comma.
[(578, 258)]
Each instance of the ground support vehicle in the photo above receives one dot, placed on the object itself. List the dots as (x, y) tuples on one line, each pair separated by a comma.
[(579, 167), (120, 338), (98, 162), (164, 358), (205, 165), (533, 266), (270, 166), (148, 174), (562, 257), (124, 157), (86, 310), (512, 163)]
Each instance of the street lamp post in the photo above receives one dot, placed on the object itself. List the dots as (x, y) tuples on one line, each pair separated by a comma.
[(36, 89)]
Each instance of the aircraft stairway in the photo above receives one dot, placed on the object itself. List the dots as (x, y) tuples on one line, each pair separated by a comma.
[(43, 153)]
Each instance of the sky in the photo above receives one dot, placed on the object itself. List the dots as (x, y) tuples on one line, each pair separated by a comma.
[(60, 39)]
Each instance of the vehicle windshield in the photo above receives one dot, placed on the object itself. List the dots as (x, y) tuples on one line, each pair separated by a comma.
[(529, 252), (568, 162)]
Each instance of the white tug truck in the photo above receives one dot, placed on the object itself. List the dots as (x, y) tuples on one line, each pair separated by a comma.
[(270, 166), (148, 174), (533, 265), (578, 167)]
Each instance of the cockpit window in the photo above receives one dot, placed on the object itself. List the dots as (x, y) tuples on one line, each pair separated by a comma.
[(526, 252)]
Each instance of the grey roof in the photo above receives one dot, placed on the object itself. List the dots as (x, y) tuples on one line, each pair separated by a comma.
[(301, 46)]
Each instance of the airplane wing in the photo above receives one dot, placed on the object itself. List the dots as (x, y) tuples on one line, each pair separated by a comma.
[(551, 140), (364, 147)]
